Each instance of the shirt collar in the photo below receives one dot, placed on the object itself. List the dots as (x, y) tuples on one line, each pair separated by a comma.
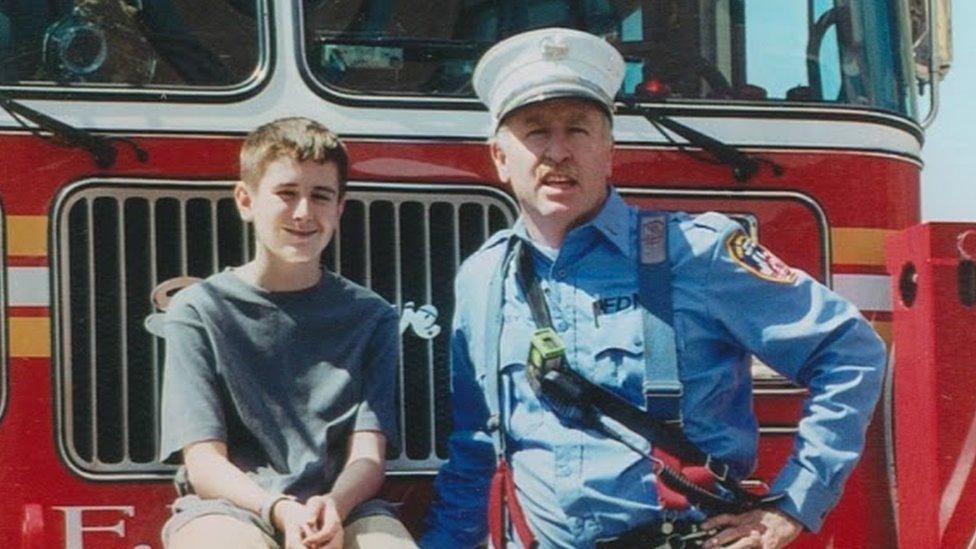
[(613, 221)]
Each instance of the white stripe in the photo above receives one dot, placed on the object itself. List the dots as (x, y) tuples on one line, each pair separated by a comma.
[(868, 292), (29, 287), (749, 130)]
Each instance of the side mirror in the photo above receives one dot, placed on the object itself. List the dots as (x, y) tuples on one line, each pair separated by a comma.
[(931, 26)]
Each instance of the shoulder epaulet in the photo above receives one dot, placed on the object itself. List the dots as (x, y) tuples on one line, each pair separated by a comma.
[(488, 254), (714, 221), (496, 239)]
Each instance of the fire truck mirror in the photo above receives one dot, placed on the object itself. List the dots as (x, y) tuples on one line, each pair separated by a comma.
[(967, 283), (908, 284)]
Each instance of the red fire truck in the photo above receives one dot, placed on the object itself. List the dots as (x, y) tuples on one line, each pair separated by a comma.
[(119, 131)]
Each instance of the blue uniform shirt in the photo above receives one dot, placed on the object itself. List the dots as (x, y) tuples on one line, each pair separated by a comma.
[(731, 299)]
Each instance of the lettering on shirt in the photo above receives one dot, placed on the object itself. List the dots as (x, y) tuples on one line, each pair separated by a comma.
[(613, 304)]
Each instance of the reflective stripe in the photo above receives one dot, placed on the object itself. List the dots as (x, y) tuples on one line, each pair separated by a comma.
[(30, 337), (29, 287), (27, 235), (858, 246), (868, 292)]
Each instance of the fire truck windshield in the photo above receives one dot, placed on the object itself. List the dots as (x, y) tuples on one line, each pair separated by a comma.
[(769, 52), (124, 44)]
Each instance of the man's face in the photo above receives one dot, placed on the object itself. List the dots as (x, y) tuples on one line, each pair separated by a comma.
[(295, 208), (557, 156)]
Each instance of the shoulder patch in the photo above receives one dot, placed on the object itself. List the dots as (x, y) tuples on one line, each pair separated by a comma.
[(756, 259)]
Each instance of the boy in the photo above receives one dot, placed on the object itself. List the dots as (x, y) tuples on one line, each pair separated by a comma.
[(279, 376)]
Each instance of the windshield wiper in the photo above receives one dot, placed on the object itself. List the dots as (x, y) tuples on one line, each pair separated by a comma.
[(743, 165), (102, 149)]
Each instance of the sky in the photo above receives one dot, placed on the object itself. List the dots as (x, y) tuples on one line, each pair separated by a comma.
[(949, 176)]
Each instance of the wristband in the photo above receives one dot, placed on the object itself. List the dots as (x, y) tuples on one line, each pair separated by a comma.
[(267, 508)]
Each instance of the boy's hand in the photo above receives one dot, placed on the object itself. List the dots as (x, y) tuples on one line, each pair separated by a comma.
[(292, 519), (326, 531)]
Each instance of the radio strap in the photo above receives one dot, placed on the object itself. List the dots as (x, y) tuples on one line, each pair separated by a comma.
[(662, 387), (574, 397)]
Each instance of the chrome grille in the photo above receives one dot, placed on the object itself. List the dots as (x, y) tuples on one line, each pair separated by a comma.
[(115, 241)]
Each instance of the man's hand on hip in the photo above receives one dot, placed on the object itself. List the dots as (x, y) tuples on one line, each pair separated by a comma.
[(763, 528)]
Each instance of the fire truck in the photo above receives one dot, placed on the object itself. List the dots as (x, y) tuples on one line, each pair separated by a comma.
[(119, 131)]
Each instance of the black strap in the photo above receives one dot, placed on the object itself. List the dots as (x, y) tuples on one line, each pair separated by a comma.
[(534, 295), (591, 401), (658, 533)]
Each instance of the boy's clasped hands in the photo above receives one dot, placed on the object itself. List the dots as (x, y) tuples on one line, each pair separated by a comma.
[(314, 524)]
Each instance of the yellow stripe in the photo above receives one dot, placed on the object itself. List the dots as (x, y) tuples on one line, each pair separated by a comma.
[(884, 330), (858, 246), (27, 234), (30, 336)]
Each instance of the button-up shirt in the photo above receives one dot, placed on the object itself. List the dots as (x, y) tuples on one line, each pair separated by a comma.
[(577, 485)]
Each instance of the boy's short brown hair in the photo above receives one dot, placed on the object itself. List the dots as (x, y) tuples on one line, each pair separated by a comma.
[(297, 137)]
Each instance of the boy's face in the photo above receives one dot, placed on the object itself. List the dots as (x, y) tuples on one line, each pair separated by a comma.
[(295, 208)]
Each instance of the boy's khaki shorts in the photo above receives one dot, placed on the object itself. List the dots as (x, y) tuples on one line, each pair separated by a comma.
[(190, 507)]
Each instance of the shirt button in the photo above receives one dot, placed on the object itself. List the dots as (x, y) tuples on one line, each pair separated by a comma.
[(561, 273), (561, 326)]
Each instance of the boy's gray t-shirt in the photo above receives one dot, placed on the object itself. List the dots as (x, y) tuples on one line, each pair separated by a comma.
[(283, 378)]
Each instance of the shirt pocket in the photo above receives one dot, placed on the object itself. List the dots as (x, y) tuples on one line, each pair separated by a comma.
[(525, 411), (618, 353)]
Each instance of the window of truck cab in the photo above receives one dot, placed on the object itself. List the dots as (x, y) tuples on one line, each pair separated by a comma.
[(145, 47), (847, 53)]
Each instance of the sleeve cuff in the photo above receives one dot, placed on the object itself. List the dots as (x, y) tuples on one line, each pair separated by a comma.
[(806, 499), (172, 443)]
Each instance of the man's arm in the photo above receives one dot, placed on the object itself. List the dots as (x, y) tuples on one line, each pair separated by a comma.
[(458, 518), (816, 339)]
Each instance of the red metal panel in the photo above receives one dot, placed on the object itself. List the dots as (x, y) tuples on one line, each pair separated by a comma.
[(934, 387)]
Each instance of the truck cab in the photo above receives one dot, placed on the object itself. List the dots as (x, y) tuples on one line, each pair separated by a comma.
[(120, 127)]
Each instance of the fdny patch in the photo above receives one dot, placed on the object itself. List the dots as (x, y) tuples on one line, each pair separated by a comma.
[(756, 259)]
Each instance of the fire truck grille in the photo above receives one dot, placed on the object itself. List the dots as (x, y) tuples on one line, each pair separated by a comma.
[(114, 242)]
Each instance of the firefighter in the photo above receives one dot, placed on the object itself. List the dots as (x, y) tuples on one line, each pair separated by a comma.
[(568, 283)]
